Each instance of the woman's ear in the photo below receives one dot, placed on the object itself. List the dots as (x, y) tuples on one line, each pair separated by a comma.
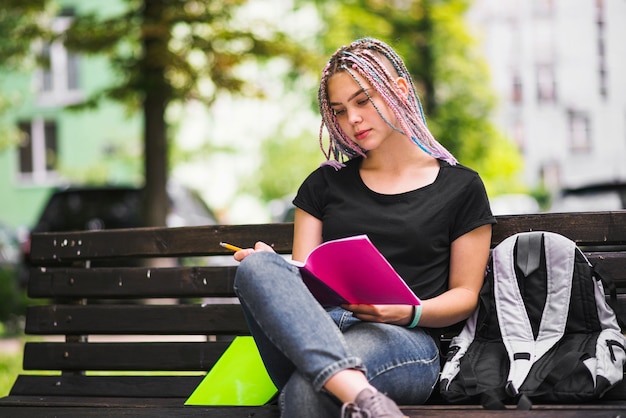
[(403, 87)]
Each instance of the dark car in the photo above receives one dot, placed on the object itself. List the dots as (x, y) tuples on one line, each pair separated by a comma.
[(593, 197), (110, 207)]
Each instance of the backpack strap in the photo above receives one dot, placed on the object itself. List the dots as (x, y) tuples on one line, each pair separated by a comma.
[(528, 253), (600, 273), (560, 256), (515, 327)]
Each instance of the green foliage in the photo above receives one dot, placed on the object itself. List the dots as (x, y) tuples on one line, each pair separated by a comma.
[(13, 300), (286, 164), (543, 196), (162, 52), (192, 49), (20, 23), (10, 367)]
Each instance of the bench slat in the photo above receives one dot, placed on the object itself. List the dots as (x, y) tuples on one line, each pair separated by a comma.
[(611, 264), (585, 228), (189, 282), (106, 386), (155, 242), (106, 408), (604, 228), (135, 282), (152, 356), (206, 319), (66, 407)]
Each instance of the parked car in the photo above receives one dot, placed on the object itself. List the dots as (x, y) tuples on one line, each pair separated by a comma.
[(108, 207)]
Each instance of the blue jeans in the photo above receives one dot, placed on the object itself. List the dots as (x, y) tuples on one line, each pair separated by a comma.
[(303, 345)]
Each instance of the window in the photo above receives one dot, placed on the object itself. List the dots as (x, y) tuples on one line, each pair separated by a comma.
[(518, 134), (600, 23), (579, 131), (58, 82), (546, 83), (543, 8), (37, 149), (517, 91)]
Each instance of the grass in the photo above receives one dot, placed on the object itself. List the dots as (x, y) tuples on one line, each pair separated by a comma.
[(10, 367)]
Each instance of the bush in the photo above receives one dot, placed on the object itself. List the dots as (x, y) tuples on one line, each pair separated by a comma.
[(13, 301)]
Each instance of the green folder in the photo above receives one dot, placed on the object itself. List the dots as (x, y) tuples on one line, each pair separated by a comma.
[(238, 378)]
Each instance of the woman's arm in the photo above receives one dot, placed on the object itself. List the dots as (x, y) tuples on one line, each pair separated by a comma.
[(307, 234), (468, 261)]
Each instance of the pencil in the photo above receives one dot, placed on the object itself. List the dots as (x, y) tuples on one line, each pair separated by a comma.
[(230, 246)]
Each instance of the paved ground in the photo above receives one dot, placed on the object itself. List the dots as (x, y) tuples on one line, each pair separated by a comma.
[(10, 345)]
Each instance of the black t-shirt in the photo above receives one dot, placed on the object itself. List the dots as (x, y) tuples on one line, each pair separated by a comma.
[(413, 230)]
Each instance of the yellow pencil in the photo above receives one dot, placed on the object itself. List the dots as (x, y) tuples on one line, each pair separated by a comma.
[(230, 246)]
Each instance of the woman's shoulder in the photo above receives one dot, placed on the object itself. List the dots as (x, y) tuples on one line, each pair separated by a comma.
[(458, 170), (334, 169)]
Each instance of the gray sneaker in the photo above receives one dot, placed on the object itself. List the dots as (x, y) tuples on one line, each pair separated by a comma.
[(371, 404)]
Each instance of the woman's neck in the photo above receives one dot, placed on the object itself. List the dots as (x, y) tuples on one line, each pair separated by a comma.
[(398, 171)]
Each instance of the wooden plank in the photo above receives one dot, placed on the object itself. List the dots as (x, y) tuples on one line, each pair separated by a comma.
[(48, 407), (145, 408), (190, 282), (129, 282), (155, 242), (610, 264), (106, 386), (136, 356), (606, 228), (586, 228), (204, 319)]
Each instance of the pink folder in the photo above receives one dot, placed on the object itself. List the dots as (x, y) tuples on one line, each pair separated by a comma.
[(352, 270)]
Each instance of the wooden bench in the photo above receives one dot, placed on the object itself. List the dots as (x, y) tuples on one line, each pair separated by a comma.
[(138, 340)]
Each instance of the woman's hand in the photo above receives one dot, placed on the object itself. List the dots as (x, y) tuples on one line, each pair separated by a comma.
[(259, 246), (389, 314)]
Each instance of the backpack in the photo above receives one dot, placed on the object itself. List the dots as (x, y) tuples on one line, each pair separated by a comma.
[(542, 331)]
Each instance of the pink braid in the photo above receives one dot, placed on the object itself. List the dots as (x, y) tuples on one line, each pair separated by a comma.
[(365, 57)]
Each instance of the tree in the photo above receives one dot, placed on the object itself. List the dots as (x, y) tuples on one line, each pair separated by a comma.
[(175, 50), (19, 24), (166, 51)]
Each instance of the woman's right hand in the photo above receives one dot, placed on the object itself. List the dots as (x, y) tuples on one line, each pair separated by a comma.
[(259, 246)]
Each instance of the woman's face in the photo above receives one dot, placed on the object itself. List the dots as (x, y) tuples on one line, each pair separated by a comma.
[(355, 113)]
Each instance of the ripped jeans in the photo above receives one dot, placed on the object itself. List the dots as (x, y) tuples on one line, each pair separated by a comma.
[(303, 345)]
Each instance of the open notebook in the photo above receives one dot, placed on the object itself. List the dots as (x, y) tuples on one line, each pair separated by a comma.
[(352, 270)]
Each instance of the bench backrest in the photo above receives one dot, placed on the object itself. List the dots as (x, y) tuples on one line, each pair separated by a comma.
[(158, 302)]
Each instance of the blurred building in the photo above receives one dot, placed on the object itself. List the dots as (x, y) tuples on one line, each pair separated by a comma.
[(55, 143), (558, 68)]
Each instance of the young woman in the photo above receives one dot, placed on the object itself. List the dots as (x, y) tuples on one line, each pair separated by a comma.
[(387, 177)]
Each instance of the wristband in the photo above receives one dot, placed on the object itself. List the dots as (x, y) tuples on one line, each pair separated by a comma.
[(417, 313)]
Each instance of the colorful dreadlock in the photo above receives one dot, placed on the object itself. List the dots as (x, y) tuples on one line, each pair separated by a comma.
[(365, 57)]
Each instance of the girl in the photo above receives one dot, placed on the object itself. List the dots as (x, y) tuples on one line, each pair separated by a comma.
[(387, 177)]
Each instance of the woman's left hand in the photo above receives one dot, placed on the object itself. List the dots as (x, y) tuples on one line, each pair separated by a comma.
[(389, 314), (259, 246)]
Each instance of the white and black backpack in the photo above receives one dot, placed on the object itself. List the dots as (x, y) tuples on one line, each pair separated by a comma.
[(543, 330)]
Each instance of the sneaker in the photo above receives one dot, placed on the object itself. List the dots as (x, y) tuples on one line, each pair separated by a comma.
[(371, 404)]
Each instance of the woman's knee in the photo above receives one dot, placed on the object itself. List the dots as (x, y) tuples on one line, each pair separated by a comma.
[(251, 267), (403, 363)]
